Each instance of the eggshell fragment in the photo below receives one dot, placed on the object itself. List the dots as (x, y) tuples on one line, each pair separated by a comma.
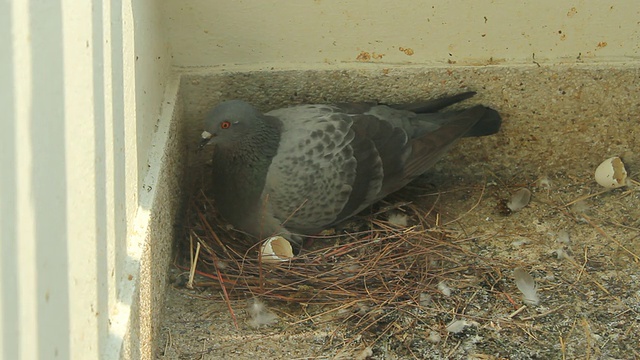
[(276, 249), (611, 173), (519, 199)]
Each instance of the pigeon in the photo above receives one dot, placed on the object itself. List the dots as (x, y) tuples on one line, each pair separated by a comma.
[(298, 170)]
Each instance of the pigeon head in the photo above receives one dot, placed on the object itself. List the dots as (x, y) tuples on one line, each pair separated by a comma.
[(229, 122)]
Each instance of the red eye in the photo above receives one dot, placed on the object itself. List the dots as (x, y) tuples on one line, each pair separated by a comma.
[(225, 125)]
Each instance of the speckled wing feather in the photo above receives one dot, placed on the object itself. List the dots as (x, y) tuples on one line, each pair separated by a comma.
[(411, 143), (429, 147), (311, 177), (333, 162), (380, 149)]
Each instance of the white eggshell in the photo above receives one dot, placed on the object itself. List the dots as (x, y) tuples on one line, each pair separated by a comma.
[(519, 199), (275, 249), (611, 173)]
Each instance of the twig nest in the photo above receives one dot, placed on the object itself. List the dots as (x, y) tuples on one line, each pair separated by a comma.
[(276, 249), (519, 199), (611, 173)]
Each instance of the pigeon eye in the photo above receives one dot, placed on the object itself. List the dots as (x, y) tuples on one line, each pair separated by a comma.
[(225, 125)]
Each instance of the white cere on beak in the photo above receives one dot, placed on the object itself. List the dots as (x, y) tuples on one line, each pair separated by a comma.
[(206, 135)]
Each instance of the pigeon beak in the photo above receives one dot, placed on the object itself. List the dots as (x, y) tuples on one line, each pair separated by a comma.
[(206, 137)]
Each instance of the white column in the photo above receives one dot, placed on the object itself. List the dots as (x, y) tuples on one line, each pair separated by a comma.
[(69, 177)]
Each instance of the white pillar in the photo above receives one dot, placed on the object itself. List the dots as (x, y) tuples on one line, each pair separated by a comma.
[(72, 162)]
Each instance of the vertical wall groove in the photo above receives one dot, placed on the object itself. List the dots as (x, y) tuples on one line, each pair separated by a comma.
[(48, 182), (10, 337)]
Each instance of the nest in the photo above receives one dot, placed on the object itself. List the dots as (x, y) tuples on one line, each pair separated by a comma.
[(375, 273)]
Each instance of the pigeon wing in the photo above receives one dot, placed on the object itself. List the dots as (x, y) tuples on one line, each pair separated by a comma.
[(428, 148), (312, 175), (331, 164)]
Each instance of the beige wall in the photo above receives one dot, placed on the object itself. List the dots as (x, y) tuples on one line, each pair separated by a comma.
[(285, 33)]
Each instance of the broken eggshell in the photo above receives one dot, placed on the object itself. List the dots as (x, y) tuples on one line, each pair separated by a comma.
[(519, 199), (276, 249), (611, 173)]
